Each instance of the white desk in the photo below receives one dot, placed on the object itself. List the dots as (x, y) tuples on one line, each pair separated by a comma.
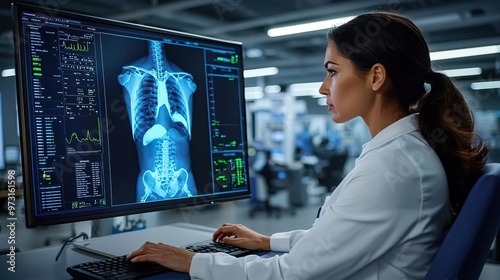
[(41, 264)]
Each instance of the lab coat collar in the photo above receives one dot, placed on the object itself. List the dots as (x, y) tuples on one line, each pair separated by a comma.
[(402, 126)]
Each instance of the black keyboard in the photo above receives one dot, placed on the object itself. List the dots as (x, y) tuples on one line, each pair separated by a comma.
[(214, 247), (114, 268), (120, 268)]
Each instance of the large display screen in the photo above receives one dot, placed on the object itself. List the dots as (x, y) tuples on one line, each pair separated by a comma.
[(119, 118)]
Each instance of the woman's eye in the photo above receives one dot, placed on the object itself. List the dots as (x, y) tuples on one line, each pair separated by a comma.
[(331, 72)]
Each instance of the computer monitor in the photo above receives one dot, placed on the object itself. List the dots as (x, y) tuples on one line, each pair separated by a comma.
[(119, 118)]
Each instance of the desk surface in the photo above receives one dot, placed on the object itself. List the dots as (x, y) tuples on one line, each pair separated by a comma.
[(41, 264)]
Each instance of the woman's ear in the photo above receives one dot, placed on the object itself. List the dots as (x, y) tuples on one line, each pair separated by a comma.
[(377, 76)]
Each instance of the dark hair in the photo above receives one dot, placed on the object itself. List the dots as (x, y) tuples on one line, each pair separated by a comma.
[(445, 119)]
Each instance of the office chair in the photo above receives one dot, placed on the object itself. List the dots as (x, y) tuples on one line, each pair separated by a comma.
[(332, 170), (265, 205), (272, 178), (467, 244)]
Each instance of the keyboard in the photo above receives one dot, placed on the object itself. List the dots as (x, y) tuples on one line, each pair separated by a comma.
[(120, 268), (215, 247)]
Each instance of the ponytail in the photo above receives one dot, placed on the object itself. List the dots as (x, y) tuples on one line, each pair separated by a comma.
[(447, 123)]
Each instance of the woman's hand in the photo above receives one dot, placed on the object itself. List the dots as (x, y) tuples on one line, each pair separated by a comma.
[(243, 237), (177, 259)]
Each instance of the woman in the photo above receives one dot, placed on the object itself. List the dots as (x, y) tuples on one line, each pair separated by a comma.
[(385, 220)]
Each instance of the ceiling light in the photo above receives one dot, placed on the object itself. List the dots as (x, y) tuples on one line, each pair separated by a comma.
[(305, 86), (305, 89), (8, 72), (259, 72), (485, 85), (438, 19), (272, 89), (449, 54), (254, 53), (305, 93), (307, 27), (253, 93), (462, 72), (322, 101)]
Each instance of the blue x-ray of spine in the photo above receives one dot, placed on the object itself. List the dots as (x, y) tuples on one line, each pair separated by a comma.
[(159, 104)]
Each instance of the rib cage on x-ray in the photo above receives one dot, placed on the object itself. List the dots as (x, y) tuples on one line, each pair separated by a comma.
[(158, 98)]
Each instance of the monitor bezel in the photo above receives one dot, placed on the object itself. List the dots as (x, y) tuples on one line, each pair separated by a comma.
[(26, 143)]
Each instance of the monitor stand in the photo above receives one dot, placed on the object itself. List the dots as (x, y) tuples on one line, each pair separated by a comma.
[(177, 234)]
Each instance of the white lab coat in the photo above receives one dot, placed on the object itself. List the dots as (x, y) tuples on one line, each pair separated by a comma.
[(384, 221)]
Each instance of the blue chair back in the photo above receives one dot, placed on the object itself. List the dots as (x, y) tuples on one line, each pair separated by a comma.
[(465, 248)]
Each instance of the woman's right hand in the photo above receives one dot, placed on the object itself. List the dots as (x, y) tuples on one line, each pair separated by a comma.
[(243, 237)]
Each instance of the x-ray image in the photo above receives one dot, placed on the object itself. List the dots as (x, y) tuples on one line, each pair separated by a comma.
[(159, 104)]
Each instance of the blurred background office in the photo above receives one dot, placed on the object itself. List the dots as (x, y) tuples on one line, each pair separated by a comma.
[(287, 118)]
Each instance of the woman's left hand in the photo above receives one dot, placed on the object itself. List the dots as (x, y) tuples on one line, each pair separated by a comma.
[(175, 258)]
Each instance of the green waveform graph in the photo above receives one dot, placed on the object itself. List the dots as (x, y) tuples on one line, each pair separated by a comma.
[(87, 136), (76, 46)]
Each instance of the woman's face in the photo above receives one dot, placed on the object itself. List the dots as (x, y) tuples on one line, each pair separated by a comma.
[(347, 94)]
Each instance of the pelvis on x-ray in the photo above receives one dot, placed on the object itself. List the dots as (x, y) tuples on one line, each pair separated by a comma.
[(158, 98)]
